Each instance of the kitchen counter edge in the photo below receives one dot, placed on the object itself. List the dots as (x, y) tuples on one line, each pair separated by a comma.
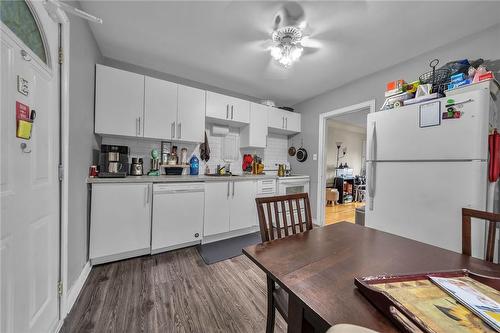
[(176, 179)]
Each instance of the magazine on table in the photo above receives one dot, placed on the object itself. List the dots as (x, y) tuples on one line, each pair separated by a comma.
[(481, 305)]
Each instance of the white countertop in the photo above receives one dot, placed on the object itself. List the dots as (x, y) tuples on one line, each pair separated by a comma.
[(175, 179)]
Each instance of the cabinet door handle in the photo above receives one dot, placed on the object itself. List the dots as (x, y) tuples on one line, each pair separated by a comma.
[(180, 128), (172, 129), (228, 189), (146, 190), (232, 107), (282, 122), (227, 111), (139, 126), (233, 188), (286, 123), (136, 126)]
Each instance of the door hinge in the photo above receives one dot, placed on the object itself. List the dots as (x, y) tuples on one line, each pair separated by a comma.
[(61, 56), (59, 288), (60, 172)]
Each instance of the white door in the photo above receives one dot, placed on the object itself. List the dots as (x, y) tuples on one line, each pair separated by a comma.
[(120, 225), (160, 108), (177, 215), (29, 238), (242, 207), (191, 110), (218, 106), (292, 122), (423, 201), (216, 208), (398, 135), (119, 102), (240, 110), (276, 119)]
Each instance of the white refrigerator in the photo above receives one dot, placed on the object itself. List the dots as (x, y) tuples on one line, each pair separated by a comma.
[(422, 169)]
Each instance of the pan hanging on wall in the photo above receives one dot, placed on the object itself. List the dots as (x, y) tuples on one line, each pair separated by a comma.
[(301, 153)]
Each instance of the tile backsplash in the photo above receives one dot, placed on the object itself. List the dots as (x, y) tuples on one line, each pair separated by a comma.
[(221, 148)]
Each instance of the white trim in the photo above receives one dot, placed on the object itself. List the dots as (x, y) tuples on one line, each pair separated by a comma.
[(77, 288), (320, 201)]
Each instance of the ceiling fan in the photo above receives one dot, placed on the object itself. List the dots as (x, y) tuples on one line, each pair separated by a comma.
[(291, 35)]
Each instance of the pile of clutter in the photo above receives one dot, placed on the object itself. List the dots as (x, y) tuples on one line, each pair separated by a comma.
[(433, 84)]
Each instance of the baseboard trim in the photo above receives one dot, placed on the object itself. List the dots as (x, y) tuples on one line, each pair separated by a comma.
[(77, 287)]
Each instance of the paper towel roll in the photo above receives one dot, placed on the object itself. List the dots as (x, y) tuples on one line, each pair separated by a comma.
[(220, 130)]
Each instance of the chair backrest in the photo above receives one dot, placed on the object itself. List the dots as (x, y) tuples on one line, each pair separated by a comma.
[(282, 211), (493, 219)]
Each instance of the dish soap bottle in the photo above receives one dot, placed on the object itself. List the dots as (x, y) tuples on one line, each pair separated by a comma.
[(194, 166)]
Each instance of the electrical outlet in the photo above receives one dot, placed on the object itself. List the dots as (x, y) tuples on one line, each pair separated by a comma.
[(315, 157)]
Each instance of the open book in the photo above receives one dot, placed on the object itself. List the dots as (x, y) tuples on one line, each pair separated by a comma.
[(477, 302)]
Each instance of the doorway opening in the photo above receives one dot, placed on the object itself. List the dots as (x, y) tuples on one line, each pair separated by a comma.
[(341, 164)]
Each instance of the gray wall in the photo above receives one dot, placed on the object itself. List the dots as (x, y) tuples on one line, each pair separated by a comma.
[(84, 54), (172, 78), (485, 44)]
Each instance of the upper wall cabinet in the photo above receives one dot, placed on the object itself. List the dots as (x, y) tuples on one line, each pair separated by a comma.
[(160, 108), (283, 122), (191, 114), (130, 104), (255, 134), (119, 102), (227, 110)]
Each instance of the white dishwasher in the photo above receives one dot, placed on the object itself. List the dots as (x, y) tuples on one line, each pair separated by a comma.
[(177, 215)]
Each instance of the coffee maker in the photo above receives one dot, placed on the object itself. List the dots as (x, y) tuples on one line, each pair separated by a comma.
[(113, 161)]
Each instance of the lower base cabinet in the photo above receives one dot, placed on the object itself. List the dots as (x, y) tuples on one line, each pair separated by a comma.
[(229, 206), (120, 221)]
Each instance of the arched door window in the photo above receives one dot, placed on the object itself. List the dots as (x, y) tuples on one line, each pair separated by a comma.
[(17, 16)]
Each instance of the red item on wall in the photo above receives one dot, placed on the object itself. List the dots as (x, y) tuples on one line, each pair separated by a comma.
[(494, 149)]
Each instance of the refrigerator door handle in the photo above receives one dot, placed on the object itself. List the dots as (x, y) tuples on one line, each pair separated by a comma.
[(372, 150), (371, 173)]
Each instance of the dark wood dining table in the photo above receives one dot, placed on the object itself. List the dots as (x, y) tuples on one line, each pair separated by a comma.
[(317, 268)]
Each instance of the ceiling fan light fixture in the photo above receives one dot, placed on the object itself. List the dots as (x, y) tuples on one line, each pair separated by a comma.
[(288, 48)]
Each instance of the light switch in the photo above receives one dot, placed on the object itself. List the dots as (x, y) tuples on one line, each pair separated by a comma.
[(315, 157)]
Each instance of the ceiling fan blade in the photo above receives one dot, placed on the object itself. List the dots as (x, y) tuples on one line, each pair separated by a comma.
[(311, 42)]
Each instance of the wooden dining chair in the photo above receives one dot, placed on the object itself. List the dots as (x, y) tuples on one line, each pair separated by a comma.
[(281, 216), (492, 218)]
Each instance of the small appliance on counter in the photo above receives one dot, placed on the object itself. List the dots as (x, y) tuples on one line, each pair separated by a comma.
[(137, 167), (155, 163), (113, 161)]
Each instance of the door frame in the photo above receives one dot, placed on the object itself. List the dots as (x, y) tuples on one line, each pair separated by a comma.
[(64, 68), (60, 17), (323, 117)]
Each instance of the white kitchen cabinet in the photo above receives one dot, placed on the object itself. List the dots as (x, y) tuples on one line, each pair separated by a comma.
[(119, 102), (283, 122), (216, 208), (160, 108), (255, 134), (177, 215), (292, 122), (229, 206), (120, 225), (242, 207), (240, 111), (191, 114), (227, 110)]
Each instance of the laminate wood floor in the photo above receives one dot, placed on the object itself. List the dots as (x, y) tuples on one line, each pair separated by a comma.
[(172, 292), (342, 212)]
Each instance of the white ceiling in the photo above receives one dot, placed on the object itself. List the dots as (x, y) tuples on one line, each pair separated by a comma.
[(221, 43)]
